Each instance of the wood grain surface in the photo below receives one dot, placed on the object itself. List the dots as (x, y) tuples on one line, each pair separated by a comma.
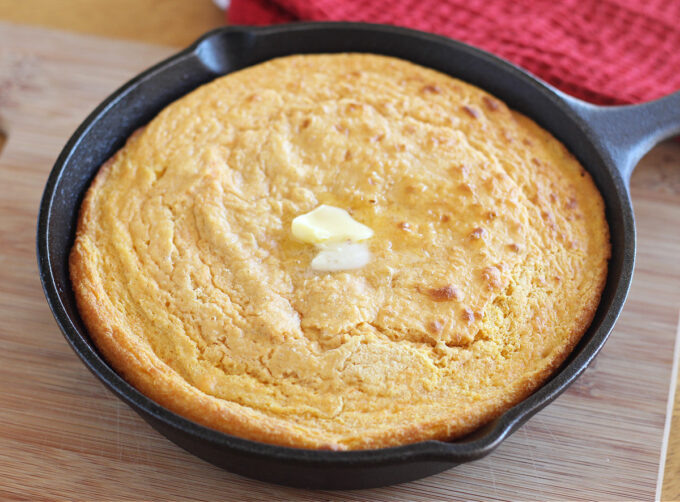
[(63, 436), (167, 22)]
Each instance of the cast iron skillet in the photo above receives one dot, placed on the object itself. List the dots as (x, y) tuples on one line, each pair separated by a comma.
[(607, 141)]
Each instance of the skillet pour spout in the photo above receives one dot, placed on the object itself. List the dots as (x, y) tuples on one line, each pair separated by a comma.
[(607, 141)]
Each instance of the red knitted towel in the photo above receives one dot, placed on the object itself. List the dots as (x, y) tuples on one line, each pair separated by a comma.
[(603, 51)]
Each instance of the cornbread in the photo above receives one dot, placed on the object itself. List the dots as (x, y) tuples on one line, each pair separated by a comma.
[(487, 260)]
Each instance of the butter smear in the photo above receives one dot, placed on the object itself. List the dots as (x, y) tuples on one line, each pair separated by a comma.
[(337, 235)]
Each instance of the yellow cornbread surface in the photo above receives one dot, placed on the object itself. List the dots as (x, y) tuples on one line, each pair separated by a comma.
[(488, 258)]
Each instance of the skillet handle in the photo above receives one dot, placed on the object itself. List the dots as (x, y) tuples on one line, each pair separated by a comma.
[(629, 132)]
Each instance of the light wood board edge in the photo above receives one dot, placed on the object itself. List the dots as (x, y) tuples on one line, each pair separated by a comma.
[(668, 485)]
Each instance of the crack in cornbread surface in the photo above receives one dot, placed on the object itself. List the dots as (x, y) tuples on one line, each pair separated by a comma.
[(489, 255)]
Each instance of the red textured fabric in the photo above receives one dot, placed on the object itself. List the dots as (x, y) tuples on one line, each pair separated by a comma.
[(603, 51)]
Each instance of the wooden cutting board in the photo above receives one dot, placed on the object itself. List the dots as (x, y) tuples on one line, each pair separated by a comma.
[(64, 436)]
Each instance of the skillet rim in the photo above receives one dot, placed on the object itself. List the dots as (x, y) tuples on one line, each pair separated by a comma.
[(431, 450)]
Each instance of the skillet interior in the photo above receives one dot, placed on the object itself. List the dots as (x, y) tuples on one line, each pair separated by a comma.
[(229, 49)]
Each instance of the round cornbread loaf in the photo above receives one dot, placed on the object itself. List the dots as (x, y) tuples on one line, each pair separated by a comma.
[(488, 259)]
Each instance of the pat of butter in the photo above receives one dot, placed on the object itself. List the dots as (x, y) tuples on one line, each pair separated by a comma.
[(341, 256), (329, 224), (337, 235)]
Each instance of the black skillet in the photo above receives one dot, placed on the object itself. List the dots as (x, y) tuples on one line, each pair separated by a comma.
[(607, 141)]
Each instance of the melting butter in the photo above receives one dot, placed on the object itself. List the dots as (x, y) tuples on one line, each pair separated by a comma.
[(329, 224), (338, 256), (337, 235)]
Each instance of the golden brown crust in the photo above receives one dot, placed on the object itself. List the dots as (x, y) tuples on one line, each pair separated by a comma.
[(489, 256)]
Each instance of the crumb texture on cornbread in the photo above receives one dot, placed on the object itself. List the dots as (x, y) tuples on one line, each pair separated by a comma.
[(489, 254)]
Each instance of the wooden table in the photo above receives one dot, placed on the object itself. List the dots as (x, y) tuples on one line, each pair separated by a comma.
[(63, 436)]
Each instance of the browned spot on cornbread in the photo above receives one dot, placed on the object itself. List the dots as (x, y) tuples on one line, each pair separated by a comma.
[(467, 315), (491, 103), (435, 89), (472, 112), (444, 293), (193, 288), (478, 233), (435, 326)]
